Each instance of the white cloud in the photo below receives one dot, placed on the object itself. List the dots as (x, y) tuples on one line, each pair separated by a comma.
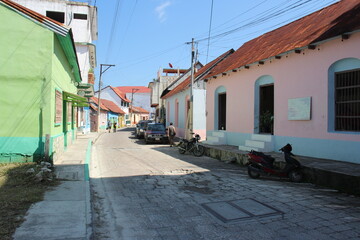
[(160, 10)]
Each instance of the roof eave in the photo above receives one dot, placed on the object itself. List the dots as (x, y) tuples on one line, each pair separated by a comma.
[(309, 46)]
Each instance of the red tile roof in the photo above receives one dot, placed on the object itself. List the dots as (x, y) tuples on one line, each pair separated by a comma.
[(129, 89), (121, 94), (95, 101), (138, 110), (332, 21), (185, 84), (108, 105)]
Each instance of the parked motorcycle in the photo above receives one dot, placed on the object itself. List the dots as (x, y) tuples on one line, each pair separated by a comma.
[(262, 164), (191, 146)]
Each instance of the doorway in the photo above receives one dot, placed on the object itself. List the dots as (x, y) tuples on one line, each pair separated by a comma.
[(266, 109), (222, 111)]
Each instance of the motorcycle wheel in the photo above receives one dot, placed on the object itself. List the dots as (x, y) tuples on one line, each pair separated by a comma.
[(199, 151), (295, 175), (252, 173), (181, 149)]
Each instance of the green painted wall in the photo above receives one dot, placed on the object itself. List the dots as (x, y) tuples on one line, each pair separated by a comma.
[(32, 65), (62, 79)]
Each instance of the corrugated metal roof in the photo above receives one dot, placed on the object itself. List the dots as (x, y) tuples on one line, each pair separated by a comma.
[(63, 32), (332, 21), (202, 71)]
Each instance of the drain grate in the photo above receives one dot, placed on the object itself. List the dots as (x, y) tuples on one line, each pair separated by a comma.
[(241, 209)]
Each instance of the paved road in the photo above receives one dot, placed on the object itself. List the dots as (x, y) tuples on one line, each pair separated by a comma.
[(152, 192)]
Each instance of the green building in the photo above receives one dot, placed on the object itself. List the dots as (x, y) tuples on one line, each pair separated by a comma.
[(39, 73)]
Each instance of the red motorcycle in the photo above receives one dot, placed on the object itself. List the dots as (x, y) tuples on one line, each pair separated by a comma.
[(262, 164)]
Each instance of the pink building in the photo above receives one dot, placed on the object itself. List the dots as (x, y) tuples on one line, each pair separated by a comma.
[(299, 84)]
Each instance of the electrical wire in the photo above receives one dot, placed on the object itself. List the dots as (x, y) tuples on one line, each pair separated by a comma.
[(257, 21), (260, 19), (113, 29), (149, 57), (127, 26), (252, 34), (269, 14), (211, 15)]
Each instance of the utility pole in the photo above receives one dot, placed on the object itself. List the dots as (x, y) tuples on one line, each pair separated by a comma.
[(133, 90), (191, 125), (101, 72)]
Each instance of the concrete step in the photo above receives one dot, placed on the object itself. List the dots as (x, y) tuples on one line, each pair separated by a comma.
[(247, 149), (213, 140), (262, 137), (261, 145), (220, 134)]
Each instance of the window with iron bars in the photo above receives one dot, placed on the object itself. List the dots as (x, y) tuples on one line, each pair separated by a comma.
[(347, 101)]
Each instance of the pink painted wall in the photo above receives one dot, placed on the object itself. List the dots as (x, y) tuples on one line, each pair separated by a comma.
[(295, 76)]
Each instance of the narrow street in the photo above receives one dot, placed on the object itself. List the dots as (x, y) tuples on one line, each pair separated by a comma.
[(142, 191)]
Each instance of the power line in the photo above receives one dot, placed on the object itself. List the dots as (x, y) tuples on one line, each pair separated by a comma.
[(276, 25), (259, 20), (211, 14), (150, 57), (240, 15), (113, 29), (127, 26), (263, 17)]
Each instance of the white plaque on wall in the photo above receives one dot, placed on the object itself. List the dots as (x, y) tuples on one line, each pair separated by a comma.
[(299, 108)]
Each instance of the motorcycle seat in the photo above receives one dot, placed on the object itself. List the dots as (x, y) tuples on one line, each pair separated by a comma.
[(261, 154)]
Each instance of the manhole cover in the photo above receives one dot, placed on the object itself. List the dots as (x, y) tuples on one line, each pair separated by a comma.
[(242, 209)]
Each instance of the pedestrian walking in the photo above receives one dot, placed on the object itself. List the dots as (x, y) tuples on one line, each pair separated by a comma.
[(114, 127), (108, 126), (172, 134)]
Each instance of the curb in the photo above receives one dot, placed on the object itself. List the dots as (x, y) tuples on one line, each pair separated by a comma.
[(333, 179), (87, 191)]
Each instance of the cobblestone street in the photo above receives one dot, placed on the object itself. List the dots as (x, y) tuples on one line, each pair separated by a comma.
[(153, 192)]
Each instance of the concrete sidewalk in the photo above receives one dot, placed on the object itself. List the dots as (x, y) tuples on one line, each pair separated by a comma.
[(342, 176), (65, 212)]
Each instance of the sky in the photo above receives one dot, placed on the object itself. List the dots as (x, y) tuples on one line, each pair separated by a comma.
[(141, 36)]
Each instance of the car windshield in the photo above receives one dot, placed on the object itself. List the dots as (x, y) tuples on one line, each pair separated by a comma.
[(156, 127)]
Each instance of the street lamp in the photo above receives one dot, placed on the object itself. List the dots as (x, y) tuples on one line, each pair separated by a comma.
[(133, 90), (101, 72)]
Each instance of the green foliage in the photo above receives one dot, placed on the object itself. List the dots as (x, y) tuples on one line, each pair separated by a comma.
[(266, 122)]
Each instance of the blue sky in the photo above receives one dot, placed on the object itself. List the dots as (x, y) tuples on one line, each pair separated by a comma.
[(140, 36)]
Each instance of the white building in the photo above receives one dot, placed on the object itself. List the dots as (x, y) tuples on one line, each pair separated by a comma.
[(164, 78), (138, 95), (82, 18)]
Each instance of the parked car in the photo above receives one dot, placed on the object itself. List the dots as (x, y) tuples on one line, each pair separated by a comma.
[(156, 132), (141, 127)]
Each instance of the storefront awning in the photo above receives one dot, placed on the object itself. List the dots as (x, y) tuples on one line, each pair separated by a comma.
[(77, 100)]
